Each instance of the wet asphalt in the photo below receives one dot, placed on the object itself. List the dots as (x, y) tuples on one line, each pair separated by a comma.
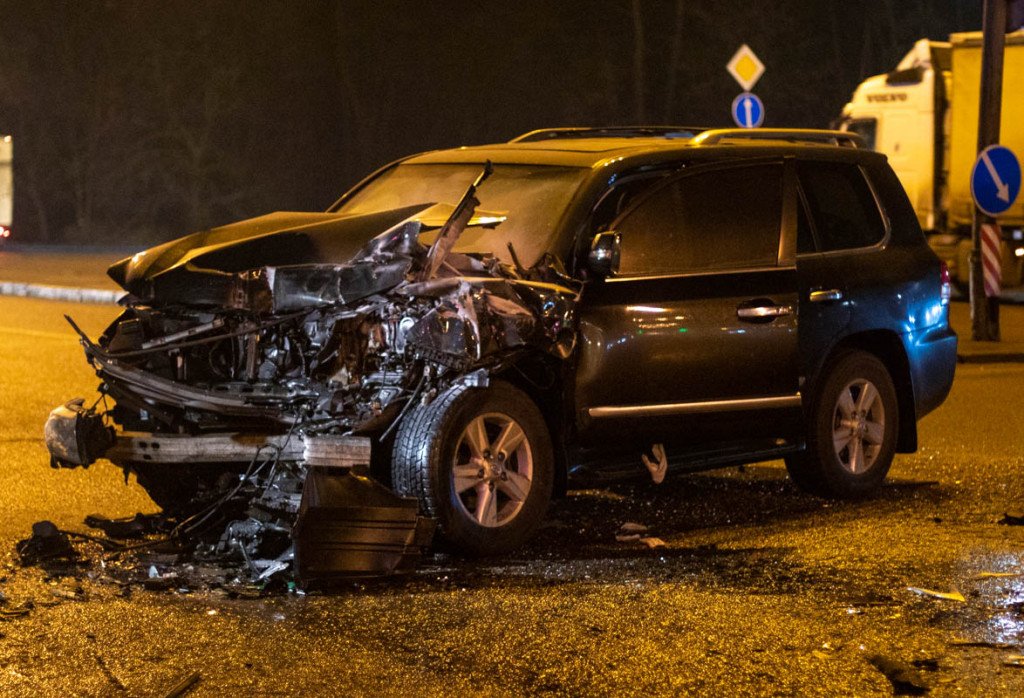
[(759, 589)]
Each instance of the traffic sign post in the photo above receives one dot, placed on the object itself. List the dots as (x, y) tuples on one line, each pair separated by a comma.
[(746, 69), (748, 110), (989, 186), (991, 260), (995, 180)]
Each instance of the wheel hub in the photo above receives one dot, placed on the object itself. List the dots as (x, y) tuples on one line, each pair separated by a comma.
[(493, 469), (859, 426)]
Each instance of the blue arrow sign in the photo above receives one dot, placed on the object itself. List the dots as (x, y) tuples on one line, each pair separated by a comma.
[(748, 110), (995, 180)]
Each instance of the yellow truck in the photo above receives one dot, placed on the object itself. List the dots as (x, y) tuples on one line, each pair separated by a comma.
[(924, 116)]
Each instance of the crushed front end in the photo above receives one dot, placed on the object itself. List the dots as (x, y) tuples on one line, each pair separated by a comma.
[(252, 402)]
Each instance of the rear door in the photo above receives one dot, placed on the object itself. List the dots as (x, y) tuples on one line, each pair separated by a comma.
[(693, 341), (842, 260)]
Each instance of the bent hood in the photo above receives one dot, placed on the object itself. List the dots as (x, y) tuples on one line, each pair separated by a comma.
[(276, 239)]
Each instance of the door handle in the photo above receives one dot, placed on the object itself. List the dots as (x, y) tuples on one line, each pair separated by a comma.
[(762, 312), (820, 295)]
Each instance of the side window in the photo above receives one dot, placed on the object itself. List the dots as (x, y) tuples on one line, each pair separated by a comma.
[(723, 219), (867, 128), (804, 234), (621, 197), (844, 210)]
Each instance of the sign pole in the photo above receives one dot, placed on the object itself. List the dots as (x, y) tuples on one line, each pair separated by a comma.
[(985, 310)]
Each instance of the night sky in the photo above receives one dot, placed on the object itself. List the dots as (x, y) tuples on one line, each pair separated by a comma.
[(136, 122)]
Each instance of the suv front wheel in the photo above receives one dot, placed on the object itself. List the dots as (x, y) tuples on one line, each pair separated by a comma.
[(851, 430), (480, 461)]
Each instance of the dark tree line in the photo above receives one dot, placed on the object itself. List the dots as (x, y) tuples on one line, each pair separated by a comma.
[(139, 121)]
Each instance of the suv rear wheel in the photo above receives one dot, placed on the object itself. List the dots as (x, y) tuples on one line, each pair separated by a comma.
[(851, 431), (479, 461)]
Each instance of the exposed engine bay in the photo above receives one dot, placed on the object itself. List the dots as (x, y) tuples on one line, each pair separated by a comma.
[(245, 394)]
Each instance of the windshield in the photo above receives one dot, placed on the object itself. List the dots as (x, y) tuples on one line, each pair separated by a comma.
[(532, 197)]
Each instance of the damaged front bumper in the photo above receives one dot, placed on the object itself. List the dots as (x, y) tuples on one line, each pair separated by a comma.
[(76, 437), (343, 524)]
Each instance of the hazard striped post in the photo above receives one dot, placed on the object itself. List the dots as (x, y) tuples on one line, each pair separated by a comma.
[(985, 307), (991, 259)]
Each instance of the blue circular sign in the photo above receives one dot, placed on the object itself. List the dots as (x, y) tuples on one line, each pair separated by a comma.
[(748, 110), (995, 180)]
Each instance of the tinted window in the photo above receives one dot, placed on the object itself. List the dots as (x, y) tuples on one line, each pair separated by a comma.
[(723, 219), (905, 226), (866, 128), (804, 236), (843, 209)]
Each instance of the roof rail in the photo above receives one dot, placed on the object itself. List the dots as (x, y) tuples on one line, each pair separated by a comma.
[(843, 139), (544, 134)]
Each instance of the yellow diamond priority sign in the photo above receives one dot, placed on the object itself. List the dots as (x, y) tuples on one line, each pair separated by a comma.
[(745, 67)]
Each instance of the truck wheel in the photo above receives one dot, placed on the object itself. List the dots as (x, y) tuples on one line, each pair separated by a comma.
[(480, 461), (851, 430)]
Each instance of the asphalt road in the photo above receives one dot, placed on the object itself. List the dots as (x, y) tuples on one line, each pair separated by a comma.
[(760, 590)]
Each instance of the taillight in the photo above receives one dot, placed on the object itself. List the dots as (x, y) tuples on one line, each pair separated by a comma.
[(945, 284), (5, 232)]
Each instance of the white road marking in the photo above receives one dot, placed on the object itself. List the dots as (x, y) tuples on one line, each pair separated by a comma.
[(41, 334)]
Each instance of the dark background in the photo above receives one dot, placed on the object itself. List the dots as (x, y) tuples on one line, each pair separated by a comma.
[(138, 121)]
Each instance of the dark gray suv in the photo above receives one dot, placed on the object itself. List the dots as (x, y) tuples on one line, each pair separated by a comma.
[(482, 325)]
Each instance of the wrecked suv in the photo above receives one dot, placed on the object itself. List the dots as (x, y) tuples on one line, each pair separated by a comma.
[(466, 331)]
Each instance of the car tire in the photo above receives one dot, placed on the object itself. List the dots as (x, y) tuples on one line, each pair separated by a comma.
[(480, 462), (851, 430)]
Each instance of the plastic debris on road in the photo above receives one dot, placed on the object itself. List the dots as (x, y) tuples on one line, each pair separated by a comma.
[(945, 596)]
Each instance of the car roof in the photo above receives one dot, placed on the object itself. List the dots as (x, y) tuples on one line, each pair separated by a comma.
[(571, 148)]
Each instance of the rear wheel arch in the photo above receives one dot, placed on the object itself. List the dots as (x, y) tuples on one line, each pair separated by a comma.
[(887, 347)]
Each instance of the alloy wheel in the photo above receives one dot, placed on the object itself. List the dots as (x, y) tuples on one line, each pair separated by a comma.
[(858, 426), (493, 469)]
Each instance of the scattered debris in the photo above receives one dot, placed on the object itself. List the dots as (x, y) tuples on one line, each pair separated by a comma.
[(1012, 518), (627, 537), (997, 575), (46, 543), (981, 643), (945, 596), (631, 527), (183, 685), (905, 679), (653, 542), (657, 466), (18, 611), (134, 527)]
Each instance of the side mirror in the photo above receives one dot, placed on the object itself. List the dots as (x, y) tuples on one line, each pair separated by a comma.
[(603, 259)]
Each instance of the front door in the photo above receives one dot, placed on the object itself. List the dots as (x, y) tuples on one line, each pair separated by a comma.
[(693, 341)]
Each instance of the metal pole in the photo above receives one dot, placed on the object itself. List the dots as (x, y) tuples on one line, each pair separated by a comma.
[(985, 311)]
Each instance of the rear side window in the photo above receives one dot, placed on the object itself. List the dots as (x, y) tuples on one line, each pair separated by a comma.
[(722, 219), (844, 212)]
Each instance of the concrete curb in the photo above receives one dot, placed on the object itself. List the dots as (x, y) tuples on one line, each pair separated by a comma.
[(990, 357), (59, 293)]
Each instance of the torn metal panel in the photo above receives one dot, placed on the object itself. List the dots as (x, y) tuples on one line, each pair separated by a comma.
[(352, 526), (454, 226)]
